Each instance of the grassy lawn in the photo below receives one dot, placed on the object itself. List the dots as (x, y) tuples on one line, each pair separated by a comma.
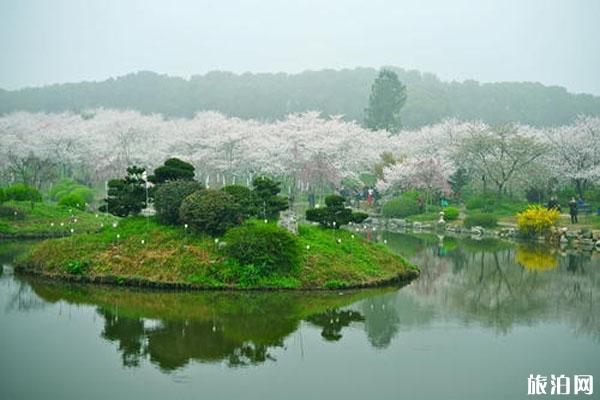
[(48, 219), (138, 250)]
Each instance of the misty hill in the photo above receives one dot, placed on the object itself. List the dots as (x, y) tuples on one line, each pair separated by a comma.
[(273, 95)]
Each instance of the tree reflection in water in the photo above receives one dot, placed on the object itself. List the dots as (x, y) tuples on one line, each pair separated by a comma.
[(493, 284)]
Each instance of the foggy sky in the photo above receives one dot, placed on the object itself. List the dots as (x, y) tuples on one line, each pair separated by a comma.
[(553, 42)]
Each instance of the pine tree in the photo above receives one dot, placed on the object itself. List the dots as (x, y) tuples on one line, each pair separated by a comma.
[(387, 98)]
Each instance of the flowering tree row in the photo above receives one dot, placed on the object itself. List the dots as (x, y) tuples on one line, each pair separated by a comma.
[(306, 151)]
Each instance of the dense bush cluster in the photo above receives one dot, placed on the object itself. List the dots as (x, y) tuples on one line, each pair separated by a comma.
[(65, 187), (126, 196), (451, 213), (168, 198), (20, 192), (265, 246), (404, 206), (335, 213), (483, 220), (244, 197), (210, 211), (72, 200)]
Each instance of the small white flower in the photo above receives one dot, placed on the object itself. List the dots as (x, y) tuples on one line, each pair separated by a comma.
[(266, 221), (339, 240), (51, 223), (308, 247), (352, 236), (385, 241), (143, 241), (62, 224), (217, 240), (114, 225), (118, 236), (185, 226), (72, 230)]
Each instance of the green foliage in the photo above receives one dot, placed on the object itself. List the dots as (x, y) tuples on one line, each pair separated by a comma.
[(72, 200), (336, 284), (76, 267), (22, 192), (273, 96), (67, 186), (359, 216), (173, 169), (404, 206), (210, 211), (169, 196), (451, 213), (2, 196), (244, 197), (334, 214), (478, 202), (11, 212), (267, 247), (387, 98), (267, 201), (458, 180), (483, 220), (126, 196)]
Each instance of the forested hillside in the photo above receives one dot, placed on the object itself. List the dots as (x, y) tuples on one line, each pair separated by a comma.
[(271, 96)]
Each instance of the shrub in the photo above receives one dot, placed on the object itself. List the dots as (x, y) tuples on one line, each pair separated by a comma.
[(537, 220), (334, 214), (483, 220), (85, 193), (403, 206), (210, 211), (173, 169), (168, 198), (265, 246), (485, 202), (2, 196), (244, 197), (11, 212), (72, 200), (22, 192), (76, 267), (451, 213)]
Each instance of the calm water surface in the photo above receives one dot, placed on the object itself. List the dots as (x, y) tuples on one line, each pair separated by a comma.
[(481, 318)]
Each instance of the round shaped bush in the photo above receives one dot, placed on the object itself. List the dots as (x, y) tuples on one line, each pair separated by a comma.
[(86, 193), (210, 211), (168, 198), (268, 247), (451, 213), (72, 200)]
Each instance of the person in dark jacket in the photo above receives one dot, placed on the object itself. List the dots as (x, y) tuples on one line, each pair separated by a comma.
[(553, 204), (573, 210)]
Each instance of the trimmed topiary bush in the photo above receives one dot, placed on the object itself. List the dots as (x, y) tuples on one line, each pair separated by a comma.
[(451, 213), (334, 214), (210, 211), (244, 197), (173, 169), (168, 198), (404, 206), (265, 246), (483, 220), (72, 200)]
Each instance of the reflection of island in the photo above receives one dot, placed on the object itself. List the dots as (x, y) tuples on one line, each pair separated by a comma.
[(172, 329)]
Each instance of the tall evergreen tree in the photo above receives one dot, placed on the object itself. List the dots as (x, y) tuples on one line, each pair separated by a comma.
[(387, 98)]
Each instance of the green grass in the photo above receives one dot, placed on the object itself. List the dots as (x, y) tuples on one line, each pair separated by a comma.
[(46, 219), (141, 250)]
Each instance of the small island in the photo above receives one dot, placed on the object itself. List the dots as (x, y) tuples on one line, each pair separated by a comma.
[(194, 237)]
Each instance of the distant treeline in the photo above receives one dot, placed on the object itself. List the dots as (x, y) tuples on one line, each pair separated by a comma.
[(269, 96)]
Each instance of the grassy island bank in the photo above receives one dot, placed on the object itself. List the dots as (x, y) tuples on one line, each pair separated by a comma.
[(141, 252)]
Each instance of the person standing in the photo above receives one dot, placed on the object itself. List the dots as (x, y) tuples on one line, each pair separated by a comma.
[(573, 210)]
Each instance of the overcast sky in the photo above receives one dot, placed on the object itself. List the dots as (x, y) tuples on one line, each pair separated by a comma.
[(549, 41)]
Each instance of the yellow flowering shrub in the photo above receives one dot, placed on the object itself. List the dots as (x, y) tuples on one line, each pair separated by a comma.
[(537, 220)]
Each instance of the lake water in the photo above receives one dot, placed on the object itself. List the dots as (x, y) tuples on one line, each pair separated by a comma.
[(482, 317)]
